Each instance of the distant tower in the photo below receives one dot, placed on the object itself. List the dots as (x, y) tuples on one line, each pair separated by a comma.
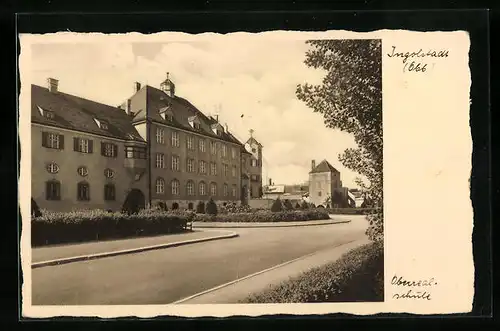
[(168, 86), (255, 149)]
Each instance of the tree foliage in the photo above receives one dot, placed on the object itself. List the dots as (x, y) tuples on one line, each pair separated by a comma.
[(350, 100)]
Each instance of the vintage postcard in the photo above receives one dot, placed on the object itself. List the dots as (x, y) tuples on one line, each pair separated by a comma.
[(282, 172)]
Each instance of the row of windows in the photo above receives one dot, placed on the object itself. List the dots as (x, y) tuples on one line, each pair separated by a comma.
[(84, 145), (53, 191), (190, 188), (191, 165), (53, 168), (190, 143)]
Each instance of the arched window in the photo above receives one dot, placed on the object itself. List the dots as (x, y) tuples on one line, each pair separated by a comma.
[(53, 190), (109, 192), (160, 186), (226, 190), (175, 187), (203, 188), (175, 206), (83, 191), (190, 206), (190, 187), (233, 191), (213, 189)]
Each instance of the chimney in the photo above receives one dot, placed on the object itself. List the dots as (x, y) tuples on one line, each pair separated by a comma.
[(137, 87), (127, 107), (270, 182), (313, 164), (52, 84)]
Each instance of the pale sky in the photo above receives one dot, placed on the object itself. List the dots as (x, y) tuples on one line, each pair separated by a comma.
[(253, 76)]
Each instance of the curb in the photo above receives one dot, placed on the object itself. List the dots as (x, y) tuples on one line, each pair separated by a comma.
[(129, 251), (277, 225), (239, 280)]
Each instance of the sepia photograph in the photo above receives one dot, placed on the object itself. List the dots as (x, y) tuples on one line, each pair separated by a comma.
[(245, 174), (207, 172)]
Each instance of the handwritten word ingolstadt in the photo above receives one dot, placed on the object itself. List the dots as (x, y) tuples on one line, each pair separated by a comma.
[(419, 289), (418, 65)]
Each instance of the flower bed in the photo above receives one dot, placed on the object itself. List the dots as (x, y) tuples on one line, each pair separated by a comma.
[(266, 216), (81, 226), (357, 276)]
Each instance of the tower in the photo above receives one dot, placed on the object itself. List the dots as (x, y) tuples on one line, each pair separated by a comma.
[(168, 86), (255, 168)]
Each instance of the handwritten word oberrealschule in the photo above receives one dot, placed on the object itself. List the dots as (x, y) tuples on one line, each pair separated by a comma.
[(417, 54), (413, 294)]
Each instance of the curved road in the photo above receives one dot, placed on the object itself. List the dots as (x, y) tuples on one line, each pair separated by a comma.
[(167, 275)]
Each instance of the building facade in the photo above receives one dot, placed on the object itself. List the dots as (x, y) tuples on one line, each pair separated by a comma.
[(254, 148), (85, 155), (325, 185), (156, 145)]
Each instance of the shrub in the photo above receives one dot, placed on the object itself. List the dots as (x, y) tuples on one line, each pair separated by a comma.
[(297, 206), (200, 207), (35, 210), (160, 205), (305, 205), (277, 206), (288, 205), (232, 207), (89, 225), (357, 276), (211, 207), (266, 216)]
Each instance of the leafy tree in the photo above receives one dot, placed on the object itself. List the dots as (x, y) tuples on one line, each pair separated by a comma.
[(211, 207), (277, 206), (350, 99), (305, 205), (288, 205)]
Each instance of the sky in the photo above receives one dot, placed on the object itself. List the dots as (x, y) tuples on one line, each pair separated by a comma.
[(253, 77)]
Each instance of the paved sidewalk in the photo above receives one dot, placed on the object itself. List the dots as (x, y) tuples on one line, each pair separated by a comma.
[(266, 224), (47, 253), (235, 291)]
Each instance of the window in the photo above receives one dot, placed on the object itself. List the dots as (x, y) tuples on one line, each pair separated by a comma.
[(190, 187), (104, 125), (233, 171), (169, 117), (201, 145), (49, 115), (190, 142), (83, 191), (213, 169), (203, 167), (202, 188), (175, 138), (160, 135), (190, 165), (233, 191), (319, 193), (254, 162), (196, 126), (225, 169), (175, 187), (255, 178), (233, 153), (83, 171), (213, 147), (160, 186), (135, 152), (160, 160), (53, 190), (108, 173), (224, 150), (83, 145), (109, 150), (53, 168), (175, 163), (213, 189), (52, 140), (109, 192), (226, 190)]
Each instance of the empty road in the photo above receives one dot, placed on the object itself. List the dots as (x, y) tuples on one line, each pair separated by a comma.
[(167, 275)]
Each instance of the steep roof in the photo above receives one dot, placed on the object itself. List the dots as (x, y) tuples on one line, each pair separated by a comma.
[(182, 111), (79, 114), (324, 166), (253, 140)]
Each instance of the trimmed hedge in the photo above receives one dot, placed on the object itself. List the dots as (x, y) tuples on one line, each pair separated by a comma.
[(357, 276), (211, 207), (266, 216), (351, 211), (277, 206), (81, 226)]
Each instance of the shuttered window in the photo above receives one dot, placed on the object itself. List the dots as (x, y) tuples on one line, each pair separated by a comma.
[(83, 145), (109, 149), (52, 140)]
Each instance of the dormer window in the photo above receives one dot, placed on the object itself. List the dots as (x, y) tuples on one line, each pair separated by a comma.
[(217, 129), (167, 114), (101, 124), (194, 121), (46, 113)]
